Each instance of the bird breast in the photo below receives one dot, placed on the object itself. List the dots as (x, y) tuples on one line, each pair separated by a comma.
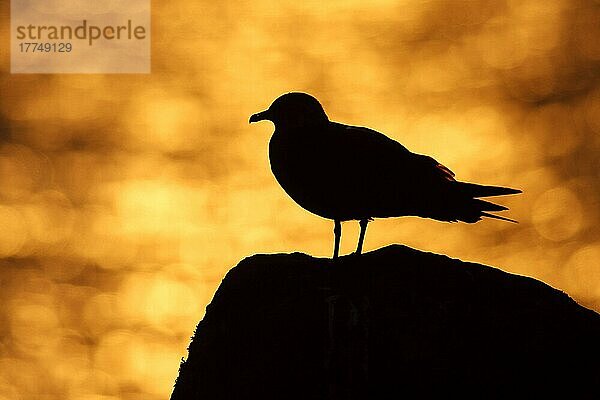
[(306, 172)]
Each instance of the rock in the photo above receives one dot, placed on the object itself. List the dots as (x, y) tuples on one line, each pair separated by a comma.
[(390, 323)]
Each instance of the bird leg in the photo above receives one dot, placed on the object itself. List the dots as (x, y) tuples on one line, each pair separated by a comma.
[(361, 238), (337, 234)]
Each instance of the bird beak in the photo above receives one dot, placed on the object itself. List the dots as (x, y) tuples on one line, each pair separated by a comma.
[(261, 116)]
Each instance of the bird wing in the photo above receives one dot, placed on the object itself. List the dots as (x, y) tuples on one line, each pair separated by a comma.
[(435, 167), (376, 173), (391, 181), (375, 154), (367, 139)]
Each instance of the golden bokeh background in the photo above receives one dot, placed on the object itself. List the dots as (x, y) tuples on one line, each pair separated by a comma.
[(124, 199)]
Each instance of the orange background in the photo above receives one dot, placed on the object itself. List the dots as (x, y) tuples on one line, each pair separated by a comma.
[(124, 199)]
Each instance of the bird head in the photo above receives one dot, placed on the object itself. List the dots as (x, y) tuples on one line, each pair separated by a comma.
[(293, 110)]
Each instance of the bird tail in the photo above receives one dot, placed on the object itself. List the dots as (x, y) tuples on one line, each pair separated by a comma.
[(474, 208), (476, 190), (484, 214), (483, 205), (481, 208)]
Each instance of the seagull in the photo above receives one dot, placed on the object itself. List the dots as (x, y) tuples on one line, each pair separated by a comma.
[(345, 173)]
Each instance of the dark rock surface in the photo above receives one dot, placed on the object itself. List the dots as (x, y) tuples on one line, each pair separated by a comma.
[(392, 323)]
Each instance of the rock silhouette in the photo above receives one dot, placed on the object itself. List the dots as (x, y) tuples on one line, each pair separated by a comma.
[(392, 323), (344, 172)]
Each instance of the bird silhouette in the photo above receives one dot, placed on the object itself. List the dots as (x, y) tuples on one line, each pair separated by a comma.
[(344, 172)]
